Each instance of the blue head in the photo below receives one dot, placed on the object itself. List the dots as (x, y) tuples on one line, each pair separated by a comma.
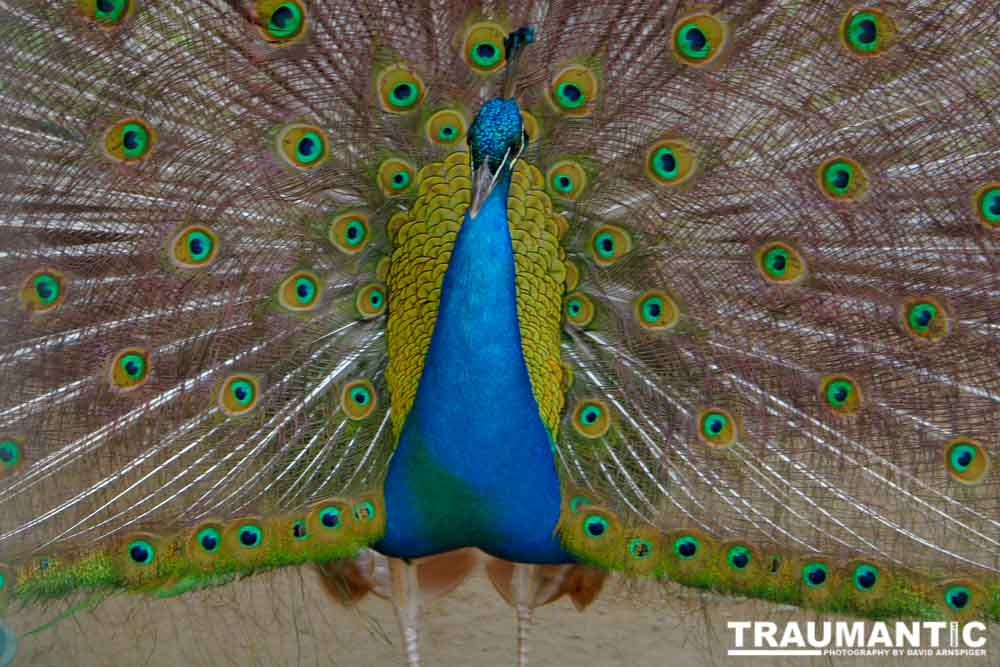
[(495, 131)]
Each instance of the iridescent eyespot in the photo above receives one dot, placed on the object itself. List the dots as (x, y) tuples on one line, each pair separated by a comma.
[(780, 263), (608, 244), (958, 598), (129, 140), (106, 13), (282, 21), (867, 32), (739, 557), (530, 125), (815, 574), (239, 394), (400, 89), (303, 146), (671, 162), (358, 399), (129, 369), (841, 394), (656, 310), (699, 40), (483, 47), (193, 247), (566, 179), (43, 290), (300, 530), (209, 539), (595, 526), (445, 128), (924, 318), (363, 511), (576, 502), (370, 301), (300, 291), (395, 177), (350, 232), (842, 179), (573, 91), (686, 547), (250, 536), (140, 552), (329, 517), (865, 577), (986, 204), (717, 428), (10, 455), (967, 460), (640, 549), (579, 309), (591, 418)]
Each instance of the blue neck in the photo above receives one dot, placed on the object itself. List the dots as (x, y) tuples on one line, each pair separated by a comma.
[(473, 465)]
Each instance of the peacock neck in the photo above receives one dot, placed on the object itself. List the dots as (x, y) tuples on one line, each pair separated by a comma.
[(473, 465)]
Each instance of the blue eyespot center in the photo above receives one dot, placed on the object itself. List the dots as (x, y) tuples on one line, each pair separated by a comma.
[(695, 38), (330, 517), (282, 17), (867, 31), (249, 537), (958, 599)]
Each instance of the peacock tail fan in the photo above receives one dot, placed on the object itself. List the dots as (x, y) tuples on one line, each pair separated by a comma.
[(708, 294)]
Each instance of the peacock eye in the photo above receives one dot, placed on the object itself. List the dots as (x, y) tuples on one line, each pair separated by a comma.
[(966, 460), (358, 399), (303, 146), (815, 574), (686, 547), (239, 394), (566, 179), (716, 428), (364, 511), (867, 32), (921, 315), (445, 127), (300, 291), (640, 549), (609, 244), (300, 531), (130, 369), (699, 40), (349, 232), (193, 247), (841, 394), (579, 309), (656, 310), (595, 526), (738, 557), (285, 21), (141, 552), (108, 13), (591, 418), (842, 179), (958, 597), (485, 54), (129, 140), (987, 205), (10, 454), (370, 301), (670, 162), (329, 517), (483, 47), (780, 263), (573, 90), (400, 89), (865, 577), (209, 539), (250, 535), (43, 290), (395, 176), (924, 319)]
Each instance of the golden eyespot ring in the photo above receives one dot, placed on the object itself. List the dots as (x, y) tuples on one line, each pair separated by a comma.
[(842, 179), (370, 300), (841, 394), (44, 290), (303, 147), (986, 204), (717, 427), (656, 310), (573, 91), (579, 309), (281, 21), (396, 177), (966, 460), (358, 399), (400, 90), (699, 40), (671, 162), (300, 291), (531, 127), (867, 31), (238, 394), (139, 554), (566, 179), (247, 539), (129, 369), (350, 232), (591, 418), (608, 244), (780, 263), (327, 520), (108, 14), (130, 140), (483, 48), (924, 318), (194, 247), (963, 598), (445, 128), (204, 542)]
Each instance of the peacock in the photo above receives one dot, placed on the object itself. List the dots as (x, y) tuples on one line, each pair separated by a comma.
[(700, 292)]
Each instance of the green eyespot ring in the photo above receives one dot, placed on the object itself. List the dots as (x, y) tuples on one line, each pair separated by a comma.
[(739, 557), (717, 428), (242, 392), (10, 454), (209, 539), (309, 148), (867, 32), (250, 536), (485, 54), (699, 40), (686, 547), (364, 511), (573, 91), (841, 394), (958, 598), (815, 575), (640, 549), (135, 140), (329, 517), (483, 47), (967, 460), (47, 288), (285, 21), (239, 394), (865, 577), (141, 552), (595, 526)]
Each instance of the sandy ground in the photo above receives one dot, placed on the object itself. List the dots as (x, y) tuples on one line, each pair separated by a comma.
[(285, 619)]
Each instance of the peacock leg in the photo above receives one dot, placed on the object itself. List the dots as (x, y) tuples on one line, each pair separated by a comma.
[(406, 599), (525, 586)]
